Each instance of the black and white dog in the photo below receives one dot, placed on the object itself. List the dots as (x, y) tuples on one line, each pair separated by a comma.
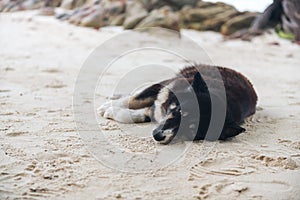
[(160, 103)]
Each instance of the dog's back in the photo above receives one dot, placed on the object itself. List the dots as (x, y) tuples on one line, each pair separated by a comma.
[(240, 94)]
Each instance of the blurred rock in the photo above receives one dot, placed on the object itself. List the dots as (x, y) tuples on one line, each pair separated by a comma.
[(114, 12), (117, 20), (97, 14), (32, 4), (152, 4), (79, 14), (163, 17), (113, 7), (174, 4), (218, 20), (95, 19), (201, 14), (47, 11), (52, 3), (195, 25), (135, 13), (204, 4), (206, 16), (171, 14), (72, 4), (238, 22), (12, 6), (178, 4), (8, 6)]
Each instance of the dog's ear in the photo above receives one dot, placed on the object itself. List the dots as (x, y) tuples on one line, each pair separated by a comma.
[(199, 84)]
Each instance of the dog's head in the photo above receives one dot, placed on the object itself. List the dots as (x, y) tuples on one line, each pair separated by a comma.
[(177, 110)]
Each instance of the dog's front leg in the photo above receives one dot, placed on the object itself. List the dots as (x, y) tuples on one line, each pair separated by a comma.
[(128, 116), (119, 103)]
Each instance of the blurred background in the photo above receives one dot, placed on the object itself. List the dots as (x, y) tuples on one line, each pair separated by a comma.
[(244, 5)]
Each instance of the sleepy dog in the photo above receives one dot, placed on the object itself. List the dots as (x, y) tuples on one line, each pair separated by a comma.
[(171, 103)]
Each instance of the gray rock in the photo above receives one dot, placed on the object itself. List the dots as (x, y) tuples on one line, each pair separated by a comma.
[(239, 22), (218, 20), (178, 4), (71, 4), (195, 25), (94, 20), (201, 14), (135, 13), (11, 6), (206, 16), (163, 17), (204, 4), (149, 5), (117, 20), (47, 11), (52, 3), (79, 14), (114, 12), (113, 8)]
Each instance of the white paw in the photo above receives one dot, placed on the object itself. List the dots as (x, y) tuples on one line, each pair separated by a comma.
[(124, 115), (101, 110), (109, 113), (121, 103), (118, 114)]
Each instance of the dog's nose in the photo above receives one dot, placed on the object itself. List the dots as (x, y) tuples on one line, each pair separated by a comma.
[(158, 135)]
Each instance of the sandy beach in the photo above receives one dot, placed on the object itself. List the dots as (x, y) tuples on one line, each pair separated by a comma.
[(42, 154)]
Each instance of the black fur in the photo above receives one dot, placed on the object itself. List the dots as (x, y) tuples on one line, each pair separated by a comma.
[(240, 102)]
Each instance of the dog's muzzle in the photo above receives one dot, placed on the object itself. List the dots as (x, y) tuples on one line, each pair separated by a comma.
[(163, 136), (158, 135)]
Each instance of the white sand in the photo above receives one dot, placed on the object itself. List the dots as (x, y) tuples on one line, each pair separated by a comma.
[(43, 156)]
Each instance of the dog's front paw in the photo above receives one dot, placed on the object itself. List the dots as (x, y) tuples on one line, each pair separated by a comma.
[(109, 113), (120, 103), (103, 108), (118, 114)]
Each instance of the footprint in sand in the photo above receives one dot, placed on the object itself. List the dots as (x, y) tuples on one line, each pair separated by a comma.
[(289, 143), (16, 133), (52, 70), (260, 117), (229, 165), (12, 151), (9, 69), (260, 121), (204, 191), (222, 188), (295, 104), (296, 145), (265, 188), (56, 86), (4, 91), (215, 162), (280, 161), (226, 189), (109, 126), (7, 113)]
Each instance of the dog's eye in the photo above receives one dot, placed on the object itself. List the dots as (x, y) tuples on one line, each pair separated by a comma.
[(192, 126), (184, 114), (172, 106)]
